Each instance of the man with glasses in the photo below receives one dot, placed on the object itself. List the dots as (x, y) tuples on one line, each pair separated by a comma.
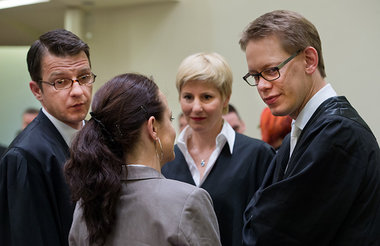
[(35, 202), (323, 186)]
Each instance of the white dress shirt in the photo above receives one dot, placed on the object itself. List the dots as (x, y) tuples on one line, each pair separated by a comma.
[(66, 131), (227, 134), (312, 105)]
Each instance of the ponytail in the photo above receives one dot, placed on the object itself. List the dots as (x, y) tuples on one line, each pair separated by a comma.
[(93, 174)]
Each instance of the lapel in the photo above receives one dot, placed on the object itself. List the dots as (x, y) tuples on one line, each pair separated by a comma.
[(183, 171), (329, 106), (282, 159), (48, 128)]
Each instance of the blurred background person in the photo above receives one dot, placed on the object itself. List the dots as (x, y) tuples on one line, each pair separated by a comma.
[(27, 116), (114, 174), (182, 123), (274, 128), (234, 119), (209, 153)]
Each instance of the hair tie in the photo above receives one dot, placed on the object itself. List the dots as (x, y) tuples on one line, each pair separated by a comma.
[(108, 133)]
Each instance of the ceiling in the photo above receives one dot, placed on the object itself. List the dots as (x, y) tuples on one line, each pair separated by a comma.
[(23, 25)]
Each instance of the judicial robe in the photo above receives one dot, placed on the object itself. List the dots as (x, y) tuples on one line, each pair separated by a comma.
[(231, 182), (35, 204), (2, 150), (330, 193)]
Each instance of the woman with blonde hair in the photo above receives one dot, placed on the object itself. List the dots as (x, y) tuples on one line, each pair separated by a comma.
[(209, 153)]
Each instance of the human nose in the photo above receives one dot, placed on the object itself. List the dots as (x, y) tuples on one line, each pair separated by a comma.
[(197, 106), (263, 83), (76, 89)]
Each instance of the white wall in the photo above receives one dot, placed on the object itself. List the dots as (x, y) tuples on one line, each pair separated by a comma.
[(153, 40)]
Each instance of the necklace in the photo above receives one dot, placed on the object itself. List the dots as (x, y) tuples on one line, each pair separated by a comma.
[(203, 163)]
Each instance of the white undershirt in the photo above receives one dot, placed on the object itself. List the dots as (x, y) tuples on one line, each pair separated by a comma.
[(312, 105), (227, 134)]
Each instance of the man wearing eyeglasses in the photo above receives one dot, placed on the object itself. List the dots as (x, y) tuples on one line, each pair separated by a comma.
[(35, 202), (323, 186)]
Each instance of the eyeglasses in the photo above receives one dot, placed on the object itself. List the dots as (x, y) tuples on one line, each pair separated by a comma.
[(269, 74), (61, 84)]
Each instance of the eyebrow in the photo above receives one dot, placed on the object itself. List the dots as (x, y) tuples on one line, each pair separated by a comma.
[(266, 66), (63, 72)]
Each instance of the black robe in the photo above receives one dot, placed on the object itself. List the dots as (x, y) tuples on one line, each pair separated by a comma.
[(2, 150), (231, 182), (35, 204), (330, 194)]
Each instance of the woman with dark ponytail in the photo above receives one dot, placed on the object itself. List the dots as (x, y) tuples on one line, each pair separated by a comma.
[(114, 174)]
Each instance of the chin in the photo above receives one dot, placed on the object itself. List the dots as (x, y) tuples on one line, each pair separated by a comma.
[(276, 111)]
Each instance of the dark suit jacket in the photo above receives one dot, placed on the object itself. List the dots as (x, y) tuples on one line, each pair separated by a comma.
[(231, 183), (35, 205), (330, 194)]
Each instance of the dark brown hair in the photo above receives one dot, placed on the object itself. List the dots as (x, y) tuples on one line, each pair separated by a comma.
[(58, 42), (232, 109), (120, 108), (292, 29), (31, 111)]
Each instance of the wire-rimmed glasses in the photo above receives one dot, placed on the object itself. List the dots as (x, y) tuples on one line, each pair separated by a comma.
[(61, 84)]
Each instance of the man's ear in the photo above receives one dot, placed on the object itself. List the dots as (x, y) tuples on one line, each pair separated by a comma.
[(152, 129), (311, 59), (243, 127), (36, 90)]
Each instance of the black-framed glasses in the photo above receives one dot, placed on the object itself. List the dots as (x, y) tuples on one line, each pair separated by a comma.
[(61, 84), (269, 74)]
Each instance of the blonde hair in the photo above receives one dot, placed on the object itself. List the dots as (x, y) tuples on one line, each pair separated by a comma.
[(207, 67)]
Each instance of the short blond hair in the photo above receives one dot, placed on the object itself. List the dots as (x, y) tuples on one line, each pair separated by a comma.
[(207, 67)]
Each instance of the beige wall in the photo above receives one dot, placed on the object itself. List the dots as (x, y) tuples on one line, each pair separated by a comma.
[(15, 95), (153, 39)]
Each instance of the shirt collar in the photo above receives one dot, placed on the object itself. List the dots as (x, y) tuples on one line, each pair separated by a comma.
[(227, 134), (138, 171), (312, 105), (65, 130)]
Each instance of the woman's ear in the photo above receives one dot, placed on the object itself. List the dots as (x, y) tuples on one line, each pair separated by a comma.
[(226, 102), (311, 59), (152, 129)]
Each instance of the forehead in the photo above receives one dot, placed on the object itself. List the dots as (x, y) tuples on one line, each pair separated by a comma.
[(199, 86), (231, 116), (163, 100), (52, 64), (263, 52), (29, 115)]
